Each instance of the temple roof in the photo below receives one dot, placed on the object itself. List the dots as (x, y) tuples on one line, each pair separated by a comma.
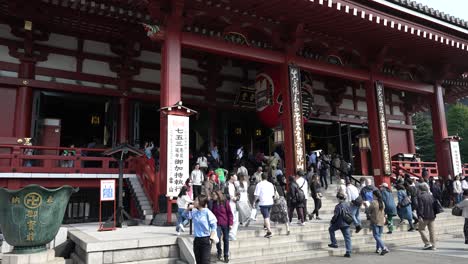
[(426, 10)]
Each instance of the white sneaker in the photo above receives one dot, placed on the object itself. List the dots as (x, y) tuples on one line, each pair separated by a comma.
[(181, 226), (302, 224), (178, 233)]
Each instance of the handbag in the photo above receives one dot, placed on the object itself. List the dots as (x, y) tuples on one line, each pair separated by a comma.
[(457, 211), (347, 217), (276, 196), (253, 214), (319, 195)]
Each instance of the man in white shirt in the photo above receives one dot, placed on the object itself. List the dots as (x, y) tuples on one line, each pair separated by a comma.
[(304, 186), (197, 181), (352, 193), (264, 192)]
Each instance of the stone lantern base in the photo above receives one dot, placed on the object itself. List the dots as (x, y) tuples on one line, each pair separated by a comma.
[(46, 257)]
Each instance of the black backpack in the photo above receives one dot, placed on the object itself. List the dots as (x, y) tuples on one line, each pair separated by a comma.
[(300, 196)]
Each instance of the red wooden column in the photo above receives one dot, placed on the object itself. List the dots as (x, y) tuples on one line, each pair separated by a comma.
[(439, 127), (374, 136), (286, 122), (23, 108), (410, 134), (170, 88)]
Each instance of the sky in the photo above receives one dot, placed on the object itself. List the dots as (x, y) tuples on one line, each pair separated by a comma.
[(457, 8)]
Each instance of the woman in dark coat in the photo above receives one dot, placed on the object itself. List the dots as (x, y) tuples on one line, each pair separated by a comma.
[(316, 193), (293, 202)]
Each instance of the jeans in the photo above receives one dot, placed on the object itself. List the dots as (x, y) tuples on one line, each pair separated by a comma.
[(223, 231), (323, 177), (202, 249), (317, 206), (377, 233), (458, 197), (346, 234), (355, 214), (181, 218), (422, 229)]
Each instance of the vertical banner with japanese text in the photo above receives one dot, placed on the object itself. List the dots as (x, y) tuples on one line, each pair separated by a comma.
[(297, 118), (177, 153), (456, 159), (380, 99)]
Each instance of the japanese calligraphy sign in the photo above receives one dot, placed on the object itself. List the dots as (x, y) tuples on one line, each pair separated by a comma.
[(383, 133), (107, 192), (456, 160), (177, 153), (297, 118)]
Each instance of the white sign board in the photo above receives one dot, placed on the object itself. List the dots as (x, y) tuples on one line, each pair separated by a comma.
[(107, 190), (177, 153), (456, 160)]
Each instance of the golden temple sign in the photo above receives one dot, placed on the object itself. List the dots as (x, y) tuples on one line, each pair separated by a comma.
[(297, 118)]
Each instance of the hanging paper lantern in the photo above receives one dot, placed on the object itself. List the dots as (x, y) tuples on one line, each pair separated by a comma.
[(268, 96)]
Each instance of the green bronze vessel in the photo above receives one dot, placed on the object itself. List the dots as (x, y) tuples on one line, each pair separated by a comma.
[(31, 217)]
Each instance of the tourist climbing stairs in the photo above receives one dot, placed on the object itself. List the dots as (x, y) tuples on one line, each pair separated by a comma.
[(308, 242)]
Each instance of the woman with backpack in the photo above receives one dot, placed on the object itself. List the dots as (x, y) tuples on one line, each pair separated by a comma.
[(222, 210), (404, 207), (296, 200), (377, 220)]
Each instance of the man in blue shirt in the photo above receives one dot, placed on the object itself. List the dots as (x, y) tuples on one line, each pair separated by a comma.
[(204, 226)]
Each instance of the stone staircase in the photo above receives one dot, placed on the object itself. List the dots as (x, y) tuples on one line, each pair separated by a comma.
[(143, 203), (308, 242)]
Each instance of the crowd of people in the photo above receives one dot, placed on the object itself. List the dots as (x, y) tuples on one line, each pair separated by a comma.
[(220, 202)]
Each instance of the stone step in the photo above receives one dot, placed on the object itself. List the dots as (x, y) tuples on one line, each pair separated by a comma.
[(306, 256), (157, 261), (298, 235)]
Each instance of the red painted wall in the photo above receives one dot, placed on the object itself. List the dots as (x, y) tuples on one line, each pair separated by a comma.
[(398, 141), (7, 111)]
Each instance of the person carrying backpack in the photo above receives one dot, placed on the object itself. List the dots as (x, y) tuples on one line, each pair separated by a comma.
[(296, 200), (338, 222)]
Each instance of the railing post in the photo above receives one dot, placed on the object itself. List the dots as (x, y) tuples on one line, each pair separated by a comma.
[(77, 163), (15, 159)]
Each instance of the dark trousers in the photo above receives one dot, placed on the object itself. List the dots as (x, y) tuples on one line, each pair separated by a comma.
[(306, 213), (202, 250), (224, 231), (317, 206), (323, 178), (196, 191), (465, 230), (300, 213)]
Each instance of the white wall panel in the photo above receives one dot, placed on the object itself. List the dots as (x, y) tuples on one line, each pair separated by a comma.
[(61, 41), (230, 87), (362, 106), (232, 71), (320, 100), (396, 110), (4, 56), (144, 91), (5, 32), (98, 48), (97, 68), (347, 104), (361, 92), (59, 62), (189, 64), (148, 75), (8, 74), (191, 81), (318, 85), (149, 56), (349, 90)]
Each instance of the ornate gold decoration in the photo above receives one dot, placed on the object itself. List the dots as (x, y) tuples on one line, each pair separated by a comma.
[(32, 200)]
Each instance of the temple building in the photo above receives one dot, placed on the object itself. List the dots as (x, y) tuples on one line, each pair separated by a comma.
[(344, 77)]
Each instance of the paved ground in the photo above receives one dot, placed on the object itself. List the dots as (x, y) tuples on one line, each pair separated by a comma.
[(451, 251)]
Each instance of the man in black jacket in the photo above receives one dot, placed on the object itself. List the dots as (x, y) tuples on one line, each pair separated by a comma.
[(426, 216)]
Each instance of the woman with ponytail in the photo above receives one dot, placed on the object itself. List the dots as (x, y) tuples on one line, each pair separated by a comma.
[(377, 220)]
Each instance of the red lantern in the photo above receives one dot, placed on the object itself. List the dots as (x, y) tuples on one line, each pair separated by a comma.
[(268, 96)]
